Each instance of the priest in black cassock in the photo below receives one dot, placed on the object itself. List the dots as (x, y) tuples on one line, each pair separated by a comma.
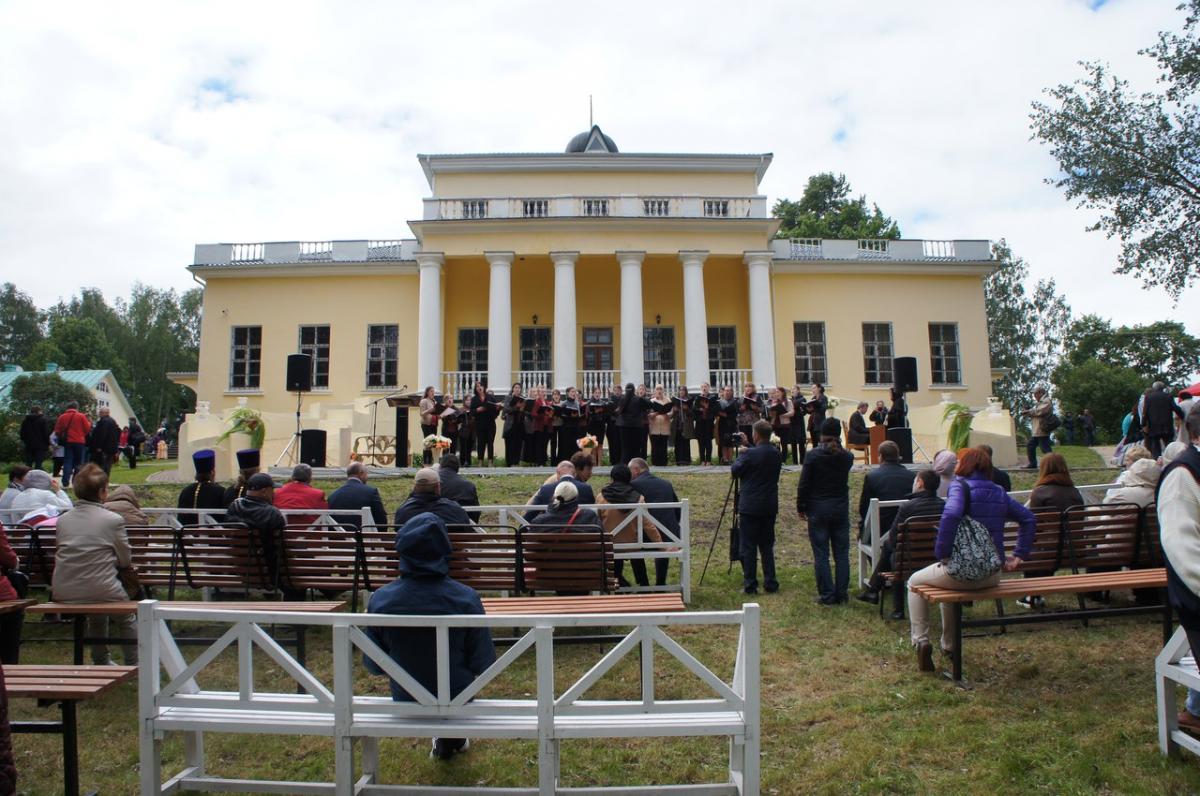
[(203, 494), (248, 461)]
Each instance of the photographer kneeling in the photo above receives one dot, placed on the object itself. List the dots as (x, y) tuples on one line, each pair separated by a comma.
[(757, 467)]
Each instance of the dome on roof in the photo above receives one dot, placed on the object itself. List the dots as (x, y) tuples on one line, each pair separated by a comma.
[(593, 140)]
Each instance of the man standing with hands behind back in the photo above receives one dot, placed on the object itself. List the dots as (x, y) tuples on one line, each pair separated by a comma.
[(757, 467)]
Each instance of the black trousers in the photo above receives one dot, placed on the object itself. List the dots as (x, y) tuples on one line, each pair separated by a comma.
[(683, 449), (34, 459), (757, 536), (568, 441), (796, 443), (640, 576), (427, 456), (643, 443), (10, 637), (704, 440), (535, 447), (485, 442), (631, 439), (614, 444), (466, 443), (514, 441), (1156, 442), (658, 450)]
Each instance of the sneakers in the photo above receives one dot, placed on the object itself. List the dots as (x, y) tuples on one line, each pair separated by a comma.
[(925, 657), (446, 748), (1031, 602), (1189, 723)]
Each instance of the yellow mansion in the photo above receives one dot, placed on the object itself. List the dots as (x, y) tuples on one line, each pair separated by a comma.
[(587, 267)]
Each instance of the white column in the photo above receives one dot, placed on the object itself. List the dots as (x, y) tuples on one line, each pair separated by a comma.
[(500, 368), (564, 318), (695, 319), (632, 362), (762, 318), (429, 321)]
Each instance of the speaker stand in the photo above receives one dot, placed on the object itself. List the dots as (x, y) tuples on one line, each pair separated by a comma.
[(292, 450)]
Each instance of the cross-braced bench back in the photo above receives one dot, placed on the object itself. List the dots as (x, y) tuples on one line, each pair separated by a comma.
[(1101, 536), (176, 694), (223, 557)]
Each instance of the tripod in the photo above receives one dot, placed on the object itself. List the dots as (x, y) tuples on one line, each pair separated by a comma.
[(292, 450), (734, 529)]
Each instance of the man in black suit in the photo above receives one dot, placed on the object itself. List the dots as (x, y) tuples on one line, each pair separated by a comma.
[(923, 502), (355, 494), (891, 480), (858, 434), (105, 440), (1157, 422), (656, 490), (757, 468), (454, 486), (566, 472)]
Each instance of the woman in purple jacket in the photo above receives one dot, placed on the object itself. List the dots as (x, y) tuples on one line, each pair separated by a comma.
[(974, 494)]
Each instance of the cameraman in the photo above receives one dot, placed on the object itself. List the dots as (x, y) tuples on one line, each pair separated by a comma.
[(757, 468)]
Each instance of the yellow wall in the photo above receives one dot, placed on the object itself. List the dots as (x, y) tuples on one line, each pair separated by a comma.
[(281, 305), (727, 300), (590, 183), (844, 302)]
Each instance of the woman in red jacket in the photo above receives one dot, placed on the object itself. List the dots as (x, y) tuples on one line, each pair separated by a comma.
[(10, 623)]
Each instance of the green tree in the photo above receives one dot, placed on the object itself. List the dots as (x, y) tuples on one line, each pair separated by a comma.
[(1158, 351), (20, 324), (163, 337), (84, 346), (50, 391), (826, 210), (1026, 328), (1135, 157), (45, 352), (1109, 390)]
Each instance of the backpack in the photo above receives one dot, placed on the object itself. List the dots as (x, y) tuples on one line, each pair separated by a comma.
[(973, 557)]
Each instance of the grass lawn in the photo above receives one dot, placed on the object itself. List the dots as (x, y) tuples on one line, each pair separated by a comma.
[(1055, 709), (121, 474)]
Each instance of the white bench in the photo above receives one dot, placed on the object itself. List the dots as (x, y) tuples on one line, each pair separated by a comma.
[(870, 550), (349, 716), (1175, 664)]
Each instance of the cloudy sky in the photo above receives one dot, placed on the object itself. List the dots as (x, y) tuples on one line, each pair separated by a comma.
[(129, 133)]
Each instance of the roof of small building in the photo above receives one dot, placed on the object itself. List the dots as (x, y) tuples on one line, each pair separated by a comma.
[(87, 378), (593, 140)]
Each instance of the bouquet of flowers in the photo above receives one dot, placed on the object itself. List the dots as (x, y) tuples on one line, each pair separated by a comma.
[(435, 442), (587, 443), (775, 440)]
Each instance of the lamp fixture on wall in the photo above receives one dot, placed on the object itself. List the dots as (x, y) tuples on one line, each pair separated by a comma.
[(657, 319), (535, 320)]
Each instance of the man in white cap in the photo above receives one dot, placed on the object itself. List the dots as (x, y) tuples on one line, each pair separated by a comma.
[(426, 496)]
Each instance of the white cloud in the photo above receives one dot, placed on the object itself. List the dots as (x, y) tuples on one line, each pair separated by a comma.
[(129, 133)]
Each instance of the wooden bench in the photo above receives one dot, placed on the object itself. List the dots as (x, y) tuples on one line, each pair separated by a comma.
[(1056, 584), (590, 604), (79, 612), (912, 550), (64, 686), (351, 710)]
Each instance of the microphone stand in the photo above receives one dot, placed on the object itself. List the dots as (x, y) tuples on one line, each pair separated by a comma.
[(375, 419)]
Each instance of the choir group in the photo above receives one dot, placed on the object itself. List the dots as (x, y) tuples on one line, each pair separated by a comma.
[(547, 426)]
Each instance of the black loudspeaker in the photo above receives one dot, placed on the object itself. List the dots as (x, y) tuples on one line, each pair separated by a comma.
[(904, 370), (401, 437), (299, 373), (312, 447), (903, 438)]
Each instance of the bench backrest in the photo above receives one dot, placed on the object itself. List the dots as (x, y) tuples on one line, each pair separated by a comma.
[(1046, 552), (576, 560), (32, 559), (1149, 552), (1102, 536), (222, 557), (155, 551), (316, 557), (352, 695), (915, 538)]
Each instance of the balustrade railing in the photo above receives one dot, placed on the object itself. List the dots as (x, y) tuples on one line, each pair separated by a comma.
[(604, 379), (533, 378), (385, 250), (729, 377), (462, 382), (669, 379), (316, 251), (247, 253)]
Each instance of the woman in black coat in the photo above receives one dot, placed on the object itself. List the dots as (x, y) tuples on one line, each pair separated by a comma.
[(483, 409), (631, 421)]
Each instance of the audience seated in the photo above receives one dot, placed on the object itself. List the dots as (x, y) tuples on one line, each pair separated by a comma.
[(565, 472), (656, 490), (11, 622), (426, 497), (15, 476), (41, 497), (944, 463), (426, 588), (565, 513), (999, 477), (91, 548), (256, 511), (1138, 483), (455, 487), (299, 493), (923, 501), (891, 480), (857, 433), (355, 495), (122, 501), (620, 491)]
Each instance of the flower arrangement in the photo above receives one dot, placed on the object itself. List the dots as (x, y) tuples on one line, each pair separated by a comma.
[(587, 442), (960, 417), (245, 420), (834, 403), (775, 440), (435, 442)]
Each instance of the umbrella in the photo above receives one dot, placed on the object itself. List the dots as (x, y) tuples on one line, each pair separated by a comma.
[(1194, 390)]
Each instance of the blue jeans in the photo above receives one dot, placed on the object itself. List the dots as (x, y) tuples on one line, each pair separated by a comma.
[(829, 526), (756, 533), (73, 458), (1032, 447)]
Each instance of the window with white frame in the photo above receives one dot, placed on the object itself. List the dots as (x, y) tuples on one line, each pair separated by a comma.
[(945, 365), (808, 339), (383, 350), (245, 357), (314, 341), (877, 353)]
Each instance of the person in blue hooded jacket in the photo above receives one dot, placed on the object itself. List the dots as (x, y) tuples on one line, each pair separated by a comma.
[(426, 589)]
